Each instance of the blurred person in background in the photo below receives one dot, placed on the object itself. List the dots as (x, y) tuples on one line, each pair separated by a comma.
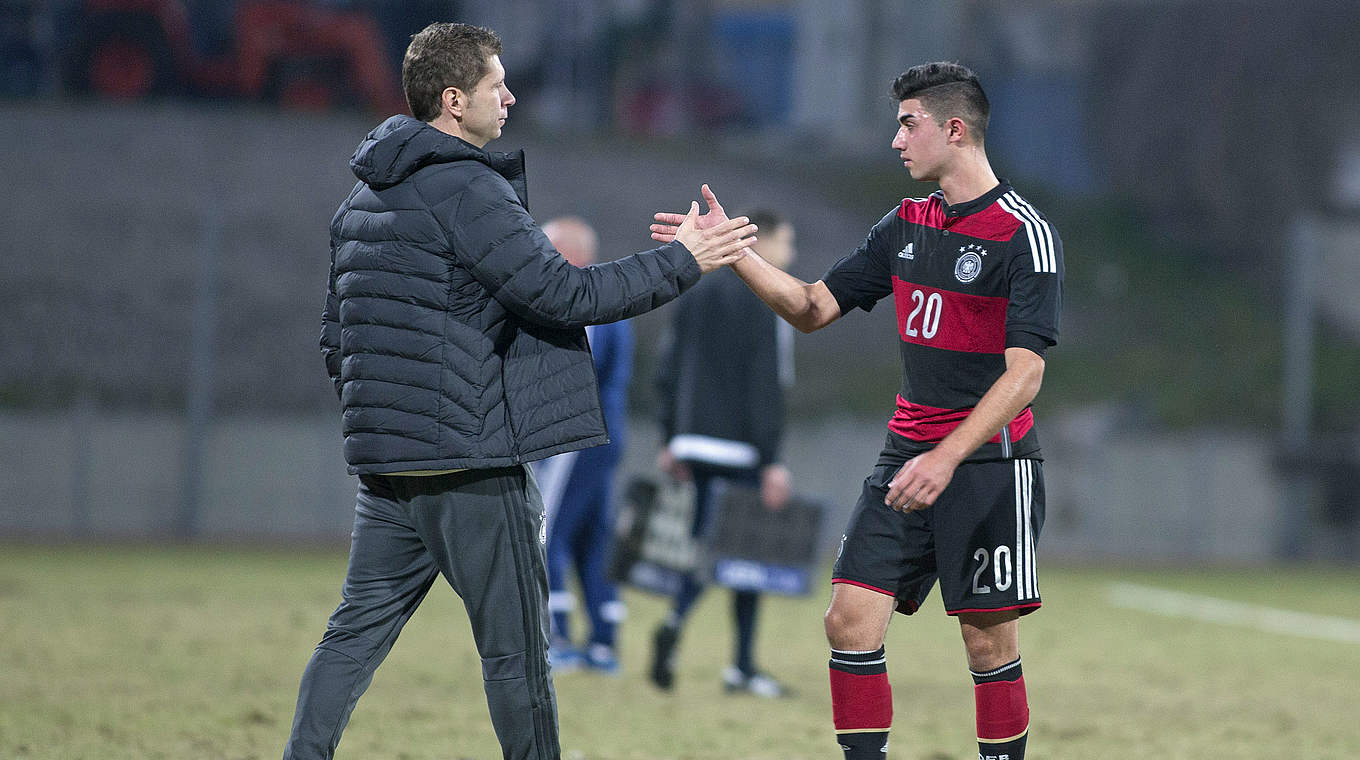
[(722, 383), (957, 495), (453, 333), (578, 487)]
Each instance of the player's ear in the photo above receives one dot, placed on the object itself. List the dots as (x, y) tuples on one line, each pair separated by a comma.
[(956, 130)]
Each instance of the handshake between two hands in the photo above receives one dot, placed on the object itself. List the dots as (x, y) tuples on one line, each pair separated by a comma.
[(713, 239)]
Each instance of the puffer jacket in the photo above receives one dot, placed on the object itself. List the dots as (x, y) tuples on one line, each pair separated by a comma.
[(453, 331)]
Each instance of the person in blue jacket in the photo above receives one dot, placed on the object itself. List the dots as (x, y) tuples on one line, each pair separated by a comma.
[(578, 488)]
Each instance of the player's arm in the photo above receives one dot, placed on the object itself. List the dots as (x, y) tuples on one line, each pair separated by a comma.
[(924, 477), (806, 306)]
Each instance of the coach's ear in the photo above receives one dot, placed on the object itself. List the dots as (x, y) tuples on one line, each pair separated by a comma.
[(453, 100)]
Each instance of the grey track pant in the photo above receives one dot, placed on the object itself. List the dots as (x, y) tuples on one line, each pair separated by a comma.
[(480, 529)]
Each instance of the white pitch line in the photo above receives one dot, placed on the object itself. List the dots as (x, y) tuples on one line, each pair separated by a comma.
[(1214, 610)]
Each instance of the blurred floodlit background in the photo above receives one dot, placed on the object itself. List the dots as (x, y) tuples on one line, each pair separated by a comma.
[(170, 169)]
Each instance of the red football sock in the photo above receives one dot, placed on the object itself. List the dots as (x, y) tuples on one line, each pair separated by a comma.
[(1002, 713), (861, 702)]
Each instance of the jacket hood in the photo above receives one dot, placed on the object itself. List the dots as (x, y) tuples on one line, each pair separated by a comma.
[(400, 146)]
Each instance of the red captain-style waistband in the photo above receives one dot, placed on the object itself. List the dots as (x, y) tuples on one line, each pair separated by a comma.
[(929, 424)]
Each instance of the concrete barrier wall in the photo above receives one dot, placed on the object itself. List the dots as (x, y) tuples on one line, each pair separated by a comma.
[(87, 474)]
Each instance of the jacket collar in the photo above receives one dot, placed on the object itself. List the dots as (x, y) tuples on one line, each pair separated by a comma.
[(400, 146)]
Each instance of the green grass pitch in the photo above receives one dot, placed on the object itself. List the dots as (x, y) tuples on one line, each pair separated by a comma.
[(195, 652)]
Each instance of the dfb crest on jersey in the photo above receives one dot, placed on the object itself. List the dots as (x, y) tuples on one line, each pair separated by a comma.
[(969, 265)]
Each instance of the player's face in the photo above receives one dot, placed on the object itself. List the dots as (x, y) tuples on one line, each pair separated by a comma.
[(487, 106), (920, 140)]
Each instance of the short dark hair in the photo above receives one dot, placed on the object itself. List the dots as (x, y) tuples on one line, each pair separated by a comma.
[(445, 55), (947, 90), (767, 219)]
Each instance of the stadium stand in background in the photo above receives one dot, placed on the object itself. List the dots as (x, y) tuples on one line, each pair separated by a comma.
[(292, 54)]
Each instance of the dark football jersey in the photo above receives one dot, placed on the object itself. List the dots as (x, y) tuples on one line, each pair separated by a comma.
[(969, 281)]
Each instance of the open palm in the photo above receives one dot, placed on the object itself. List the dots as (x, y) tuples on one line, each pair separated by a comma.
[(667, 223)]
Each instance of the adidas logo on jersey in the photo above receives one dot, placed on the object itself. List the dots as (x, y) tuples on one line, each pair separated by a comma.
[(907, 253)]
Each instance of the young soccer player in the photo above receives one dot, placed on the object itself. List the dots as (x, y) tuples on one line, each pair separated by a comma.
[(957, 493)]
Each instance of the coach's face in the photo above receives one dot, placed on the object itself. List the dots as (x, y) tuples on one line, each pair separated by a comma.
[(487, 106), (921, 141)]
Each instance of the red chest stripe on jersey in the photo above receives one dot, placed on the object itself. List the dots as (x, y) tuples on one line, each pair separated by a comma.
[(927, 211), (953, 321), (929, 424), (991, 223)]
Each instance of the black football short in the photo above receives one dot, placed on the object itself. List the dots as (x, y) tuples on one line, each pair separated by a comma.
[(978, 539)]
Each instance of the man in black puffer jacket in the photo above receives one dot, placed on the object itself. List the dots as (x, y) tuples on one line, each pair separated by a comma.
[(453, 332)]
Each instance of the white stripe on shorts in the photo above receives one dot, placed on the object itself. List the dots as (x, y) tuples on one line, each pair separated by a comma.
[(1031, 572), (1027, 586), (1018, 465)]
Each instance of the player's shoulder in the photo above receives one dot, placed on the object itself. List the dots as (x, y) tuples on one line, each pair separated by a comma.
[(1035, 237), (910, 211), (914, 209), (1025, 212)]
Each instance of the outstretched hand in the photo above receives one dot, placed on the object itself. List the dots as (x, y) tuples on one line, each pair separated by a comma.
[(713, 244), (668, 223)]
